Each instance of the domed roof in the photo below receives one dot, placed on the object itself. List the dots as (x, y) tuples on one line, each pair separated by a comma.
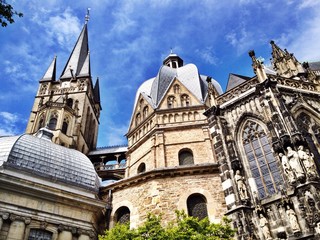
[(154, 89), (41, 157)]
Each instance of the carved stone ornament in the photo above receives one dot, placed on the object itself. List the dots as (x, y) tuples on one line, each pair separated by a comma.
[(292, 217), (242, 188)]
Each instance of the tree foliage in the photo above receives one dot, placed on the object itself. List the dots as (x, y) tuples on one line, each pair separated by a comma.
[(7, 13), (183, 228)]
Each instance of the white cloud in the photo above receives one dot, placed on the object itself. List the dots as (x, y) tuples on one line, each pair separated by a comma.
[(207, 55), (8, 123)]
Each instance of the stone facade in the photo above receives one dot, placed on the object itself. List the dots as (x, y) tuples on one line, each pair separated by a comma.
[(265, 133)]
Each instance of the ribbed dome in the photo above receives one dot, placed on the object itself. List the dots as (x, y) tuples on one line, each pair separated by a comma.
[(46, 159)]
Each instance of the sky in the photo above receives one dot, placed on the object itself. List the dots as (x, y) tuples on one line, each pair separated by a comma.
[(129, 39)]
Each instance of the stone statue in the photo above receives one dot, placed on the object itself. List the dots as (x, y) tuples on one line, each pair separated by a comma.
[(317, 228), (293, 219), (307, 160), (242, 188), (294, 162), (286, 168), (264, 227)]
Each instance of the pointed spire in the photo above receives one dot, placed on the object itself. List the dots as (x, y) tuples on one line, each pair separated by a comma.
[(78, 57), (50, 74), (85, 70), (284, 62), (96, 92)]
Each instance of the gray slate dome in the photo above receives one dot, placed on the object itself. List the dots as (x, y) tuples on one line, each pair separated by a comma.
[(41, 157)]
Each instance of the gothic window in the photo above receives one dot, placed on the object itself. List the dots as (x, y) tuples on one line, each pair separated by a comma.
[(171, 100), (138, 119), (39, 234), (185, 157), (70, 102), (141, 103), (142, 168), (53, 121), (263, 166), (65, 125), (176, 88), (145, 112), (122, 215), (197, 206), (185, 100)]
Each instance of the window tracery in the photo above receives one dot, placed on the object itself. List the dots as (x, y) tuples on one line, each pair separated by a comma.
[(261, 161), (36, 234)]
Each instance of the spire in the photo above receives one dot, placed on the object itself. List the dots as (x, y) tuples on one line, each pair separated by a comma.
[(96, 92), (85, 70), (50, 74), (79, 58), (284, 62), (258, 67)]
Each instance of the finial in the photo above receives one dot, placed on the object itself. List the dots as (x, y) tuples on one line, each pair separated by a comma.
[(171, 51), (87, 17)]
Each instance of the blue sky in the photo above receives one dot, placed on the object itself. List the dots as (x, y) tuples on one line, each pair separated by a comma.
[(128, 39)]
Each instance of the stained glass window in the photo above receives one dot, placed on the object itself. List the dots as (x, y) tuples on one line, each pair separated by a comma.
[(262, 163)]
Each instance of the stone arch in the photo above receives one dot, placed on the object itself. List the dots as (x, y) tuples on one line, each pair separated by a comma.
[(197, 206), (53, 120), (134, 215), (211, 202)]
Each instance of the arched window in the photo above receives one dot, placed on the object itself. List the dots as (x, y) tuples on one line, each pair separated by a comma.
[(70, 102), (141, 103), (263, 165), (138, 119), (197, 206), (53, 121), (36, 234), (122, 215), (185, 100), (145, 112), (65, 125), (171, 101), (176, 88), (142, 168), (185, 157)]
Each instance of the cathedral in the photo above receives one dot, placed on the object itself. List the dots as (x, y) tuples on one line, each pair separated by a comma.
[(250, 153)]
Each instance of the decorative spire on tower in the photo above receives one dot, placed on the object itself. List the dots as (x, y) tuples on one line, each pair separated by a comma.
[(285, 63), (78, 63), (258, 67), (50, 74)]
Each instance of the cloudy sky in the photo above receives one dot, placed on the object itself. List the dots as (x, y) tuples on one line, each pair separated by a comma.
[(128, 39)]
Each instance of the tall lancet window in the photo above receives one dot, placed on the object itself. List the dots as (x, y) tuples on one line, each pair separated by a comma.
[(261, 161)]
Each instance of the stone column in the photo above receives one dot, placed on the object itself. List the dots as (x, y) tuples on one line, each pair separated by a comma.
[(84, 237), (65, 235), (16, 230), (1, 222)]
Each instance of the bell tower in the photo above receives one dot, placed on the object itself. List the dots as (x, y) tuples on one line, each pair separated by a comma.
[(70, 105)]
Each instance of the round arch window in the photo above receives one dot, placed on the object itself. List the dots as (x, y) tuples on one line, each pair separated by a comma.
[(197, 206), (186, 157), (122, 215), (142, 168)]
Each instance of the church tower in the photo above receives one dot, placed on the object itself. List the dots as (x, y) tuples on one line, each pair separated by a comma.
[(69, 106)]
